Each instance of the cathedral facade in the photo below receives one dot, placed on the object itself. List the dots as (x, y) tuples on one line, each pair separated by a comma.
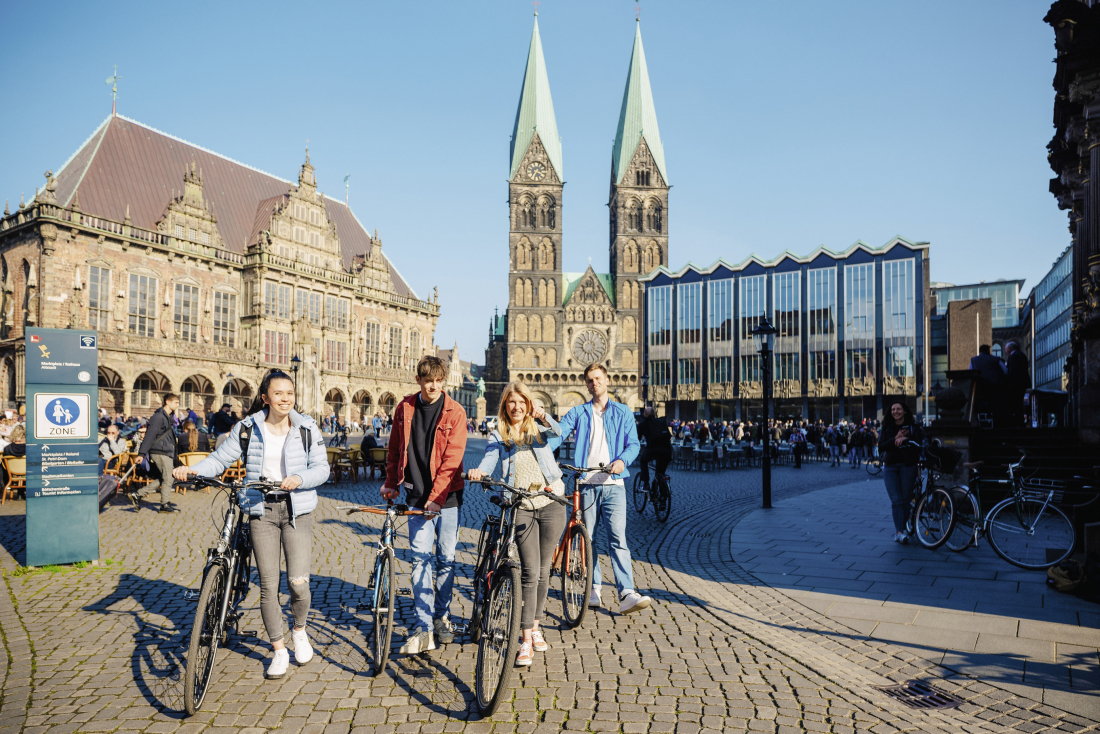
[(558, 322)]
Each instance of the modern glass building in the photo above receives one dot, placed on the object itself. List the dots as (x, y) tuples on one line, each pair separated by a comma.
[(851, 332), (1051, 346), (1003, 294)]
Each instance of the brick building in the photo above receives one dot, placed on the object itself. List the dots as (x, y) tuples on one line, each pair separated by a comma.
[(200, 275)]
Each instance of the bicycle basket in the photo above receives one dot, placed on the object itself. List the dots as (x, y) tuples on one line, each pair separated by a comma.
[(1038, 489), (944, 459)]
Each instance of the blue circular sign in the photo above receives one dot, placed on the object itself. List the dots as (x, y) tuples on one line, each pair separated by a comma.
[(62, 412)]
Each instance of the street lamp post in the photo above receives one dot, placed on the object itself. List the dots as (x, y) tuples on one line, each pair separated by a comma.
[(763, 335), (645, 390), (294, 363)]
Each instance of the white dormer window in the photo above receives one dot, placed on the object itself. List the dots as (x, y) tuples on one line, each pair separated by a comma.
[(192, 235), (299, 211), (179, 231), (205, 238)]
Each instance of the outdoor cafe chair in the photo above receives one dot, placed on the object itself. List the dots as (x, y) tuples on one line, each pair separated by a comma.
[(376, 460), (190, 458), (15, 471)]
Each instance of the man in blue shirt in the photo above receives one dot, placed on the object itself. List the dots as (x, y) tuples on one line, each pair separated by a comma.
[(606, 435)]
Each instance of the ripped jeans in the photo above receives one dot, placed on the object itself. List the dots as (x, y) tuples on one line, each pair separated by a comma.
[(269, 533)]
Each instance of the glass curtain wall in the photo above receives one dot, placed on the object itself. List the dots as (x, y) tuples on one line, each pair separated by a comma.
[(899, 331), (689, 312), (751, 307), (859, 322), (821, 341), (720, 331)]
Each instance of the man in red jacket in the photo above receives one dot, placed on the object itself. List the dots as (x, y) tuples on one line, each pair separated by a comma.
[(427, 445)]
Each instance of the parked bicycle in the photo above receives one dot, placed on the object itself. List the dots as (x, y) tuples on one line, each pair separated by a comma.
[(339, 438), (1027, 528), (225, 583), (658, 494), (383, 578), (933, 514), (498, 597)]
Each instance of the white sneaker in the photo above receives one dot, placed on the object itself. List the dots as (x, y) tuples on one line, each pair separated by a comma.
[(279, 662), (303, 651), (419, 641), (444, 631), (594, 599), (632, 602)]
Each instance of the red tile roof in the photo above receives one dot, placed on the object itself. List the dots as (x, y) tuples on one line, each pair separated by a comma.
[(125, 164)]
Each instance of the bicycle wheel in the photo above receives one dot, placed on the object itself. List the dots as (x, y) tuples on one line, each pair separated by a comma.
[(205, 635), (964, 533), (1030, 535), (641, 493), (874, 467), (934, 519), (480, 570), (663, 504), (382, 635), (498, 640), (576, 579)]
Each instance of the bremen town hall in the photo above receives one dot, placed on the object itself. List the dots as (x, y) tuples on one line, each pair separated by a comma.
[(558, 322), (200, 275)]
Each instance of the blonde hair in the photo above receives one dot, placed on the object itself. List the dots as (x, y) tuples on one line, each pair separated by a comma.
[(527, 432)]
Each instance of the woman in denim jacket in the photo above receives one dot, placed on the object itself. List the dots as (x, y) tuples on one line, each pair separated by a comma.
[(522, 448), (287, 447)]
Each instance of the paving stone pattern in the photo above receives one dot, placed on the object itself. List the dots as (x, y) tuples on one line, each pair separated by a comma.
[(101, 649)]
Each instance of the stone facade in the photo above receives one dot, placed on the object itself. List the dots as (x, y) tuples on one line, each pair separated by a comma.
[(178, 310)]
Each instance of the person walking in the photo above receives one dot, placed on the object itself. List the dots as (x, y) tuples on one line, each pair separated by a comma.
[(520, 444), (158, 447), (283, 446), (606, 435), (426, 447), (899, 459)]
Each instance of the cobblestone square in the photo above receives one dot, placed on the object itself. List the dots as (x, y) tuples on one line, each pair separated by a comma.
[(100, 648)]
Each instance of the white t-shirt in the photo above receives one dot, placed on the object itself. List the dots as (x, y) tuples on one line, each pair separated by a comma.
[(598, 450), (274, 468)]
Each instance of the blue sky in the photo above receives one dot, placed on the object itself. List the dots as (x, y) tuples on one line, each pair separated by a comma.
[(786, 126)]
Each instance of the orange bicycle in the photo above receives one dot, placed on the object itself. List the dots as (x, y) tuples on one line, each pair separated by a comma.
[(574, 557)]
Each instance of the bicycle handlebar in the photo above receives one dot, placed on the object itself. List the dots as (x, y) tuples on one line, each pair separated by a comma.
[(583, 470), (490, 482), (199, 482), (384, 510)]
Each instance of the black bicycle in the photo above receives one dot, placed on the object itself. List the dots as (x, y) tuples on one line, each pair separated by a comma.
[(498, 598), (225, 583), (339, 438), (658, 494), (932, 518)]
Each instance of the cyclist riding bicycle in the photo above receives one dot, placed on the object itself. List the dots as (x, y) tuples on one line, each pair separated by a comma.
[(658, 444), (281, 445)]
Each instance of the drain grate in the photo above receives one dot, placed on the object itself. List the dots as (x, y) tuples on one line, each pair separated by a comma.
[(918, 695)]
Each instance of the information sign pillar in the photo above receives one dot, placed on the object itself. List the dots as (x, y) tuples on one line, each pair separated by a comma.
[(62, 368)]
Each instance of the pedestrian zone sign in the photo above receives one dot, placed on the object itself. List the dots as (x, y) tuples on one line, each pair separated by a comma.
[(61, 415)]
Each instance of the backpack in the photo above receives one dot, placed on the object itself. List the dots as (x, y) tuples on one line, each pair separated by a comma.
[(246, 438)]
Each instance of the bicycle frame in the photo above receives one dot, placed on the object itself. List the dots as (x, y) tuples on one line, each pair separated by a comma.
[(562, 552)]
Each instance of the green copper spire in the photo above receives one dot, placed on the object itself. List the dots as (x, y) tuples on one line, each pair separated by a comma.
[(638, 117), (536, 111)]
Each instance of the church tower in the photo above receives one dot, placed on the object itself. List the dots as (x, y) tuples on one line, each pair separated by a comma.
[(638, 202), (534, 239)]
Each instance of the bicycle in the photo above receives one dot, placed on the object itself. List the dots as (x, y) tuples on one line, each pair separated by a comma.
[(225, 584), (574, 557), (498, 601), (933, 515), (874, 466), (339, 438), (1034, 535), (659, 495), (382, 578)]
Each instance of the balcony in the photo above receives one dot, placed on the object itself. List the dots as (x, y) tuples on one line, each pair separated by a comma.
[(125, 342)]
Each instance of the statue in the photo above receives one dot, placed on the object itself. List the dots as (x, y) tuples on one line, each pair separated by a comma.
[(481, 387)]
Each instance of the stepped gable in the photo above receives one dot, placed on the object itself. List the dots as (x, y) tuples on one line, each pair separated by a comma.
[(128, 165)]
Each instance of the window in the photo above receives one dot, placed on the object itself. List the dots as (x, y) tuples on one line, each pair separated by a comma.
[(178, 229), (414, 349), (688, 371), (143, 386), (786, 367), (786, 296), (204, 238), (225, 318), (821, 301), (192, 235), (859, 302), (301, 304), (374, 344), (898, 311), (336, 355), (641, 178), (721, 369), (336, 313), (395, 348), (751, 305), (143, 305), (660, 315), (750, 368), (185, 317), (859, 364), (689, 312), (276, 347), (660, 372), (823, 365), (277, 300), (899, 362), (720, 310), (99, 298)]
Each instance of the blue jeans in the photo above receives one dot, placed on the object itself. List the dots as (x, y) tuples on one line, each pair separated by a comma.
[(607, 503), (899, 485), (433, 542)]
